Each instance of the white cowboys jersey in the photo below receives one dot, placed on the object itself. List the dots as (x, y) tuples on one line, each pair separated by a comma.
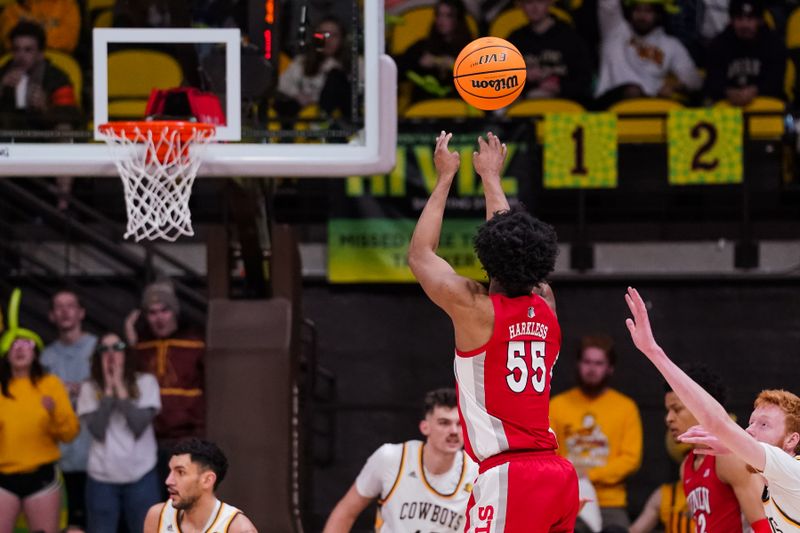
[(782, 494), (219, 522), (409, 500)]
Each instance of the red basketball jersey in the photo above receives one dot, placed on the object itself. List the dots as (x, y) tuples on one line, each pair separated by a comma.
[(712, 503), (504, 386)]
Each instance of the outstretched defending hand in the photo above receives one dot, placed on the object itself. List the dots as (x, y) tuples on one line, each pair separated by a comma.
[(488, 160), (705, 442), (445, 161), (639, 325)]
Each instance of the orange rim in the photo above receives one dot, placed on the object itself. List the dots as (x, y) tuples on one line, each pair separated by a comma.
[(185, 128)]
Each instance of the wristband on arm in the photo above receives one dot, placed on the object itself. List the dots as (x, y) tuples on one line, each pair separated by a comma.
[(761, 526)]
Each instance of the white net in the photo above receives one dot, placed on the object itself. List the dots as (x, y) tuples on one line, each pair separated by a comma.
[(158, 162)]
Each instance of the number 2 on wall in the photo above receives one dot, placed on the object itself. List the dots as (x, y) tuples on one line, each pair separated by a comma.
[(698, 163), (517, 377)]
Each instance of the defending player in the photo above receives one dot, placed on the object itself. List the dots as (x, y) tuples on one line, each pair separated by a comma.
[(419, 486), (196, 469), (781, 471), (507, 340)]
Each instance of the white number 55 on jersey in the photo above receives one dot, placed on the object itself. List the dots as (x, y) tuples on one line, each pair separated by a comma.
[(517, 377)]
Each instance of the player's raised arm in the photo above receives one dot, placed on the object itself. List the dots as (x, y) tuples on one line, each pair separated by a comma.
[(701, 404), (488, 162), (438, 279)]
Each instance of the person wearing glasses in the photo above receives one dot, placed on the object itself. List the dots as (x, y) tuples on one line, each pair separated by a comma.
[(35, 416), (117, 405)]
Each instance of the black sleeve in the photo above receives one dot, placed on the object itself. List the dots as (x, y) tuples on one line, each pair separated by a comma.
[(409, 60), (97, 421), (138, 418), (578, 81), (717, 62), (771, 79)]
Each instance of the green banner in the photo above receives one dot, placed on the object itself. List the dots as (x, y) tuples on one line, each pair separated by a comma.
[(372, 218), (705, 146), (373, 250)]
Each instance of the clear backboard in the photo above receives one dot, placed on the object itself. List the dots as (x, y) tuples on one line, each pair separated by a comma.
[(241, 67)]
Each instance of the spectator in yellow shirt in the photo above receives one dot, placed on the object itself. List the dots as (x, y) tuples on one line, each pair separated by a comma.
[(35, 415), (599, 429)]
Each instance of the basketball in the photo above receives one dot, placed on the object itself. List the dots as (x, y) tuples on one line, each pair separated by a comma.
[(489, 73)]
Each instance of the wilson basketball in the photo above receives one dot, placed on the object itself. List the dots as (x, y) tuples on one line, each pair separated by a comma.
[(489, 73)]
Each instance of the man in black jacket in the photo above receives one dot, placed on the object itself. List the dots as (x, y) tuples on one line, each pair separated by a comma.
[(747, 59), (559, 64), (33, 92)]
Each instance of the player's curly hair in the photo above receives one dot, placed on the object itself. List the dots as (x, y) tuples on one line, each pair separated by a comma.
[(205, 454), (709, 380), (517, 250)]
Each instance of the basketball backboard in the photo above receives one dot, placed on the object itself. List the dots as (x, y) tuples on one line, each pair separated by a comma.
[(254, 140)]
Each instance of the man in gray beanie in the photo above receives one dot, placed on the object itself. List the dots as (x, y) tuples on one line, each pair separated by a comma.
[(176, 357)]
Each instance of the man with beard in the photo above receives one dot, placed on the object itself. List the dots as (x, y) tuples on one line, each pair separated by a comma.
[(637, 57), (175, 355), (196, 469), (747, 59), (420, 486), (770, 443), (599, 429)]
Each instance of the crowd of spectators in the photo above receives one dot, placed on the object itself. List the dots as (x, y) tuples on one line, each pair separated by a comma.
[(97, 416), (594, 52), (600, 52)]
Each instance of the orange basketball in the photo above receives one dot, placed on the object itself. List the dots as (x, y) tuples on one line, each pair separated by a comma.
[(489, 73)]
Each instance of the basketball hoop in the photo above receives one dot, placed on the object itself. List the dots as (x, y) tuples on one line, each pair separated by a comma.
[(157, 169)]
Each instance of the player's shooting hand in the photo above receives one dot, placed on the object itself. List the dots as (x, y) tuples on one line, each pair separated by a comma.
[(639, 325), (445, 161), (490, 157), (705, 443)]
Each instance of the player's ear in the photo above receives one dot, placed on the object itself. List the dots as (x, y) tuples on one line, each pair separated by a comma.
[(791, 441), (209, 478), (425, 427)]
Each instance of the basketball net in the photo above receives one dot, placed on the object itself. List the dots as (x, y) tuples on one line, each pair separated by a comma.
[(157, 169)]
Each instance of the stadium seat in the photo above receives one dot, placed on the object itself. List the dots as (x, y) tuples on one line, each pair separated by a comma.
[(635, 123), (763, 128), (793, 29), (97, 5), (512, 19), (415, 25), (790, 78), (442, 108), (132, 74), (540, 107), (66, 63), (284, 60), (104, 19), (769, 19)]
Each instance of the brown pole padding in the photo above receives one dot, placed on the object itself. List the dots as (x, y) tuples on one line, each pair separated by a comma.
[(249, 395)]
